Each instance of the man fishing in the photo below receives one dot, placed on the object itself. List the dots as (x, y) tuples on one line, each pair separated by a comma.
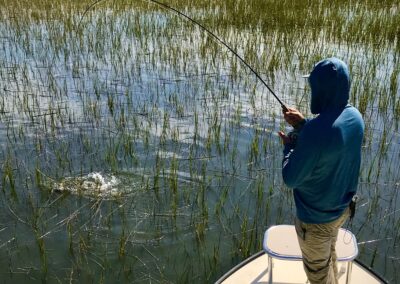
[(322, 166)]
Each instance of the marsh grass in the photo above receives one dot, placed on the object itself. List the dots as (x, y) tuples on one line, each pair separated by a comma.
[(140, 93)]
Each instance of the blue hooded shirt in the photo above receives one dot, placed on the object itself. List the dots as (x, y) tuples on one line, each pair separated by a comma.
[(323, 167)]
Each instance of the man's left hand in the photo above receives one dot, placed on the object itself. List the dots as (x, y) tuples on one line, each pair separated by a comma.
[(285, 139)]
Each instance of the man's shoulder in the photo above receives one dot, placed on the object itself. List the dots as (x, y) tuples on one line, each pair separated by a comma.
[(352, 110), (351, 113)]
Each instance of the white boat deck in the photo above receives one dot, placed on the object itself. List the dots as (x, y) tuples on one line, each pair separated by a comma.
[(287, 271), (282, 252)]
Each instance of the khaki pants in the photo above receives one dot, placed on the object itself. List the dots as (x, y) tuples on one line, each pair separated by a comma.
[(317, 244)]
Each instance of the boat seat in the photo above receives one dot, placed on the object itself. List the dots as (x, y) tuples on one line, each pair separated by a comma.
[(281, 242)]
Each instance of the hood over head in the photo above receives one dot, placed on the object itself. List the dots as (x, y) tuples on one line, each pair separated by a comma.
[(330, 85)]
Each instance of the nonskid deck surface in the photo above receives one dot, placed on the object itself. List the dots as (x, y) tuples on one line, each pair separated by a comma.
[(285, 272)]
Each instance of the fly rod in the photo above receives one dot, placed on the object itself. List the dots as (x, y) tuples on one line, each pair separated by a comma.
[(213, 35)]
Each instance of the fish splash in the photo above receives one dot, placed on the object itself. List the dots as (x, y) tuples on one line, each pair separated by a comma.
[(94, 184)]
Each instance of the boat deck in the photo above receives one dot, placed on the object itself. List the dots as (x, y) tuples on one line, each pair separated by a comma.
[(255, 270)]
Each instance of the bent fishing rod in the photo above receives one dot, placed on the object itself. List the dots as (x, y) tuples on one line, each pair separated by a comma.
[(213, 35)]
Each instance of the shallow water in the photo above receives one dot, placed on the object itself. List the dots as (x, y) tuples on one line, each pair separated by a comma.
[(135, 148)]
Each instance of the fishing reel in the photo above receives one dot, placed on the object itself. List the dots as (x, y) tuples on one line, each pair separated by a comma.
[(293, 135)]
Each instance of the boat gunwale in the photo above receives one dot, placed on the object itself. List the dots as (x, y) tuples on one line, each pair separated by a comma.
[(261, 253)]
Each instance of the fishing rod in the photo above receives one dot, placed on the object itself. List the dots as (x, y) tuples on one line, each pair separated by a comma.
[(165, 6)]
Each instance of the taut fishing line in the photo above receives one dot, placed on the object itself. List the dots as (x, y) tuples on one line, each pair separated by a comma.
[(165, 6)]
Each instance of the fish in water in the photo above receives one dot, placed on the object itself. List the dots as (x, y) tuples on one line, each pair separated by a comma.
[(94, 185)]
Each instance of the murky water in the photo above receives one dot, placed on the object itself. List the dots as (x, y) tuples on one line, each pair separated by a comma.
[(134, 147)]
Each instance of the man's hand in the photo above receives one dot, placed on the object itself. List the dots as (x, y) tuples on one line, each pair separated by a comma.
[(293, 117), (285, 139)]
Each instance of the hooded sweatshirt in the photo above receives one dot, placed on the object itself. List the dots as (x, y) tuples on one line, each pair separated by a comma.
[(323, 167)]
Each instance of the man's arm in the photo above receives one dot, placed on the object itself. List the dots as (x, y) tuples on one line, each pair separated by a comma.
[(300, 159)]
